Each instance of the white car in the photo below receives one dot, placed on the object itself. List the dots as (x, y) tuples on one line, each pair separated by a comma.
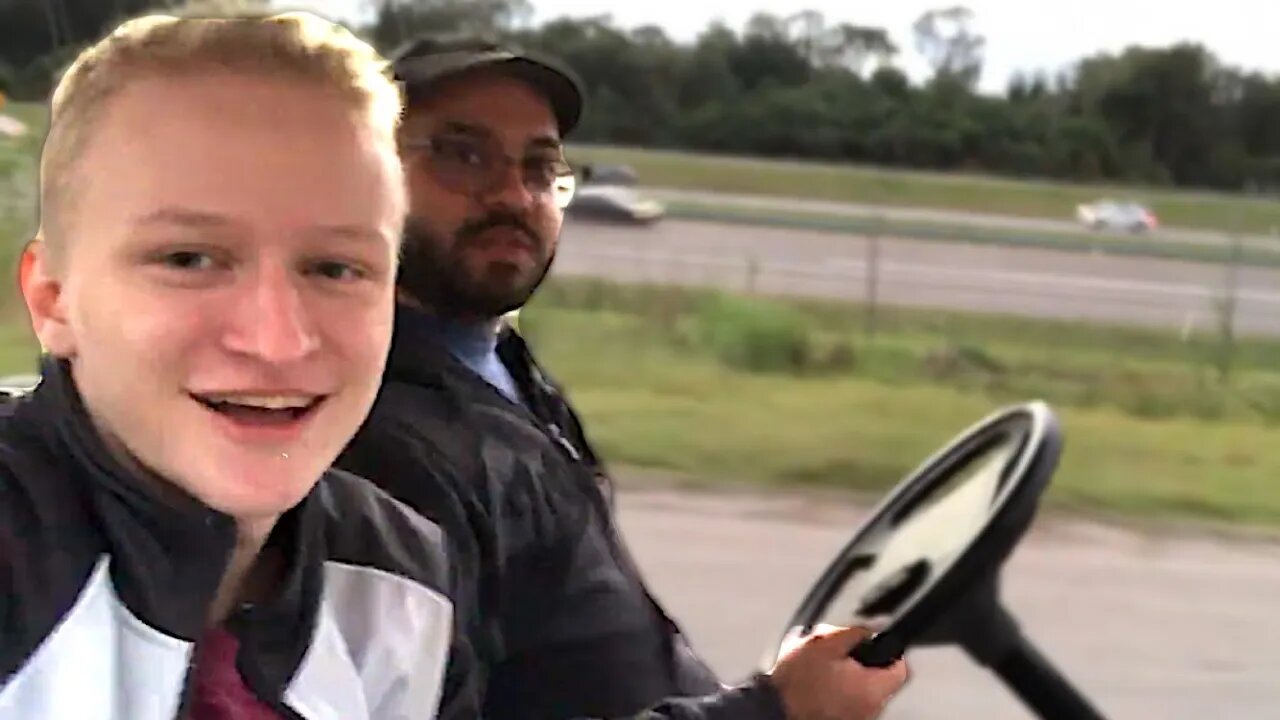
[(1114, 215), (618, 203)]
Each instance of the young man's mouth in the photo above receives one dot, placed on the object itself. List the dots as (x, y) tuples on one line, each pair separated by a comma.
[(261, 409)]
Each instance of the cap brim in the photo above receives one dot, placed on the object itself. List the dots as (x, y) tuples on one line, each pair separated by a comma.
[(562, 89)]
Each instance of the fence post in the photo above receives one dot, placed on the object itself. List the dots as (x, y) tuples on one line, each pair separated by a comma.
[(1228, 307), (753, 273), (873, 279)]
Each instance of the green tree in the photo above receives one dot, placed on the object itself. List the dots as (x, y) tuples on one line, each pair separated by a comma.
[(946, 39)]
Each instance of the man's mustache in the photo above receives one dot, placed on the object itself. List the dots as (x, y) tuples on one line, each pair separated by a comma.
[(472, 230)]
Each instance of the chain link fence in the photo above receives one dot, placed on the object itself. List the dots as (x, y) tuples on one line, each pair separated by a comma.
[(873, 279)]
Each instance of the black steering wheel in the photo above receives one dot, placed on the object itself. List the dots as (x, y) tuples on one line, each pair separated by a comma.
[(926, 563)]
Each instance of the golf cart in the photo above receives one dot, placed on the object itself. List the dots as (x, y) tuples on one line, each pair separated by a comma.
[(928, 561)]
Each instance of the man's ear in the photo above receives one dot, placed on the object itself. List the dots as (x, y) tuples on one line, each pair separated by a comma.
[(42, 292)]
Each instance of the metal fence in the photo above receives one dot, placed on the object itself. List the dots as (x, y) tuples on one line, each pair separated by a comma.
[(1246, 298)]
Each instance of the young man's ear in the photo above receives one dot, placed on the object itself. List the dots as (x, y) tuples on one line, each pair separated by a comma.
[(42, 292)]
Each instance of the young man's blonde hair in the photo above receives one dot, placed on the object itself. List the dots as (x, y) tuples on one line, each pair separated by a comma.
[(294, 46)]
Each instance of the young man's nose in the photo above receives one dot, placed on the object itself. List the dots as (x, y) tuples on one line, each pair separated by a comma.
[(270, 319)]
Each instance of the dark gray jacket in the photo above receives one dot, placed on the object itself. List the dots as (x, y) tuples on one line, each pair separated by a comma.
[(549, 600)]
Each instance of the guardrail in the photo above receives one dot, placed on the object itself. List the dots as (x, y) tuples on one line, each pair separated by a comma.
[(1251, 252), (1188, 307)]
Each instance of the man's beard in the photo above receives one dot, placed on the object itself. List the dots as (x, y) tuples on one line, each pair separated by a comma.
[(436, 274)]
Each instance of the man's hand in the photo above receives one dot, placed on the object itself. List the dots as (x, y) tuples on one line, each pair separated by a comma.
[(819, 681)]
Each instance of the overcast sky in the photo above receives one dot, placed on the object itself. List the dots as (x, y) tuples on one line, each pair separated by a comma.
[(1021, 34)]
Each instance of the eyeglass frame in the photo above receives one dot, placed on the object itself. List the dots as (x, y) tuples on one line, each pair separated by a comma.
[(562, 188)]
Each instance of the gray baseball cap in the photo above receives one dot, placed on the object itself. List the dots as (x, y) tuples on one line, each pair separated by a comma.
[(425, 61)]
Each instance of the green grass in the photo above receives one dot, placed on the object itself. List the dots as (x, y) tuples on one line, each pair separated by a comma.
[(972, 193), (18, 158), (654, 405), (1151, 433), (1067, 349), (18, 349), (17, 219), (33, 114)]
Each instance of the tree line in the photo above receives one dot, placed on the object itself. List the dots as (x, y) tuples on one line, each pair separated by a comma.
[(803, 86)]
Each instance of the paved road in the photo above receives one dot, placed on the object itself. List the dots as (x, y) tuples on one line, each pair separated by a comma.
[(1175, 629), (955, 217), (1037, 282)]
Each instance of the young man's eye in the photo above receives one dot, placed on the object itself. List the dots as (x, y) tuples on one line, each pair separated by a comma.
[(337, 270), (188, 260)]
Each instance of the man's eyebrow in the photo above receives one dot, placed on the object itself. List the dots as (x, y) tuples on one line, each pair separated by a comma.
[(541, 142), (546, 142), (465, 128)]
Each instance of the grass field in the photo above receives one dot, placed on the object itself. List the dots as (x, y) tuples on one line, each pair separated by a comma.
[(17, 346), (1148, 436), (972, 193)]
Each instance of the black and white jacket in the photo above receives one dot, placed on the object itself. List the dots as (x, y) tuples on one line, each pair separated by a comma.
[(104, 588)]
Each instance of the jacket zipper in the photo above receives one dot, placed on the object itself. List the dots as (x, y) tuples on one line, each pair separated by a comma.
[(617, 548), (188, 686)]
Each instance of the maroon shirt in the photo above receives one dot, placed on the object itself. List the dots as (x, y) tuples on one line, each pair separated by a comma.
[(220, 693)]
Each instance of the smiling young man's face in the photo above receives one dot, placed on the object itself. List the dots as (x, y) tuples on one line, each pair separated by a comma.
[(225, 284)]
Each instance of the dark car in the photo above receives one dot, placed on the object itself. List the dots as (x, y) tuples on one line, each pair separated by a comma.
[(609, 175)]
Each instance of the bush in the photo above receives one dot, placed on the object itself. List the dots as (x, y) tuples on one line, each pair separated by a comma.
[(755, 335), (15, 221), (8, 78), (1262, 395)]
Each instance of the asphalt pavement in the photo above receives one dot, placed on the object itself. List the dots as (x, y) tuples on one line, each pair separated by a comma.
[(1025, 281), (1067, 225), (1148, 626)]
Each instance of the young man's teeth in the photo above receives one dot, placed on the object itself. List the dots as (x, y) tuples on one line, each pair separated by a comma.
[(266, 402)]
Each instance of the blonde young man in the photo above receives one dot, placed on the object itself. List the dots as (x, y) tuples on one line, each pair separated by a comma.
[(212, 284)]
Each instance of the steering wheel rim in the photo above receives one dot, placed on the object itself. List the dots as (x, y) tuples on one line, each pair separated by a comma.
[(1033, 464)]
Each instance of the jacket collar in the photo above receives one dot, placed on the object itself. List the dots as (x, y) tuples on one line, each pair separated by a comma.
[(169, 550), (418, 353), (60, 401)]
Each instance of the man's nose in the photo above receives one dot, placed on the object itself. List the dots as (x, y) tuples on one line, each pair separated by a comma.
[(509, 189), (270, 318)]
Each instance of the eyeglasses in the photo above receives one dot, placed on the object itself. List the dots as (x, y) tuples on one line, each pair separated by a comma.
[(474, 166)]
